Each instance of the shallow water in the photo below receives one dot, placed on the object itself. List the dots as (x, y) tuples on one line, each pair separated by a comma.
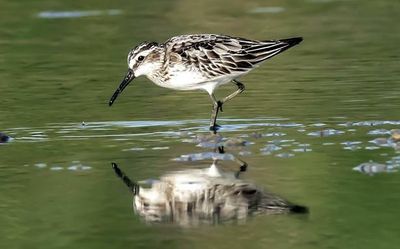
[(309, 118)]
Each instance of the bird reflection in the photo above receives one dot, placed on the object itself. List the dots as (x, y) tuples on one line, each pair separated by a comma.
[(203, 196)]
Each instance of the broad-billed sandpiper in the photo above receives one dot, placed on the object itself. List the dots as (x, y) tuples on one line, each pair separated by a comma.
[(200, 61)]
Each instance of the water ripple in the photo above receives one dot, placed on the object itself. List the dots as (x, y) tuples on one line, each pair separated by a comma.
[(77, 13)]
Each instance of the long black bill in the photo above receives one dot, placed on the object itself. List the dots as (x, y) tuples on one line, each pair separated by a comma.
[(128, 78)]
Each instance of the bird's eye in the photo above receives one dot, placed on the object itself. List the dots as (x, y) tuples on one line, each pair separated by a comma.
[(140, 58)]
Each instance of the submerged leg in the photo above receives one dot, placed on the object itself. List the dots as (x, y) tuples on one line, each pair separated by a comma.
[(217, 104)]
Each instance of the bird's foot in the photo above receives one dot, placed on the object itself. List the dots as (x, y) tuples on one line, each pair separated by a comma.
[(221, 149), (215, 128), (243, 167)]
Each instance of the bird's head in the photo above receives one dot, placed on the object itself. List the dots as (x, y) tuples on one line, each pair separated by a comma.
[(141, 61)]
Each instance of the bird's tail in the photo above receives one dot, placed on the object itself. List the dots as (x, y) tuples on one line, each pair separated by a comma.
[(298, 209), (271, 203), (292, 41), (269, 48)]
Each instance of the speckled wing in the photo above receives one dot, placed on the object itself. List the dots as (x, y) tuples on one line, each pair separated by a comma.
[(218, 55)]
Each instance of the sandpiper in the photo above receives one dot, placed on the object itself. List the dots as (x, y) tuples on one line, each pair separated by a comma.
[(200, 61)]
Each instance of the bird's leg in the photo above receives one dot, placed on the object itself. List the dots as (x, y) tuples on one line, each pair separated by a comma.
[(217, 106), (240, 89)]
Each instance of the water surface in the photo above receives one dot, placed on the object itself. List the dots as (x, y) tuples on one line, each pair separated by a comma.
[(307, 118)]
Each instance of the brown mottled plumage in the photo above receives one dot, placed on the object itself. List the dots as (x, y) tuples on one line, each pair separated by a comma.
[(200, 61)]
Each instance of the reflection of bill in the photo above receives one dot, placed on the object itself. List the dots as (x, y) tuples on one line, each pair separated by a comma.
[(195, 196), (4, 138)]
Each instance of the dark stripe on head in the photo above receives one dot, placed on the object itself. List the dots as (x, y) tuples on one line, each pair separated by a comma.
[(141, 47)]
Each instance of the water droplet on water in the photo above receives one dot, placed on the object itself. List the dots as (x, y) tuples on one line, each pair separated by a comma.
[(269, 148), (378, 132), (284, 155), (325, 133), (40, 165)]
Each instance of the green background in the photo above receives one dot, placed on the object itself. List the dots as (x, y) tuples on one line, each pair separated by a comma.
[(58, 72)]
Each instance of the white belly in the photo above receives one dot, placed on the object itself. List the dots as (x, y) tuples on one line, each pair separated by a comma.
[(191, 79), (186, 80)]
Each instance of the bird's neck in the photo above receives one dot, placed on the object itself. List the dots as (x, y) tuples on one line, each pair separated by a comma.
[(157, 60)]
